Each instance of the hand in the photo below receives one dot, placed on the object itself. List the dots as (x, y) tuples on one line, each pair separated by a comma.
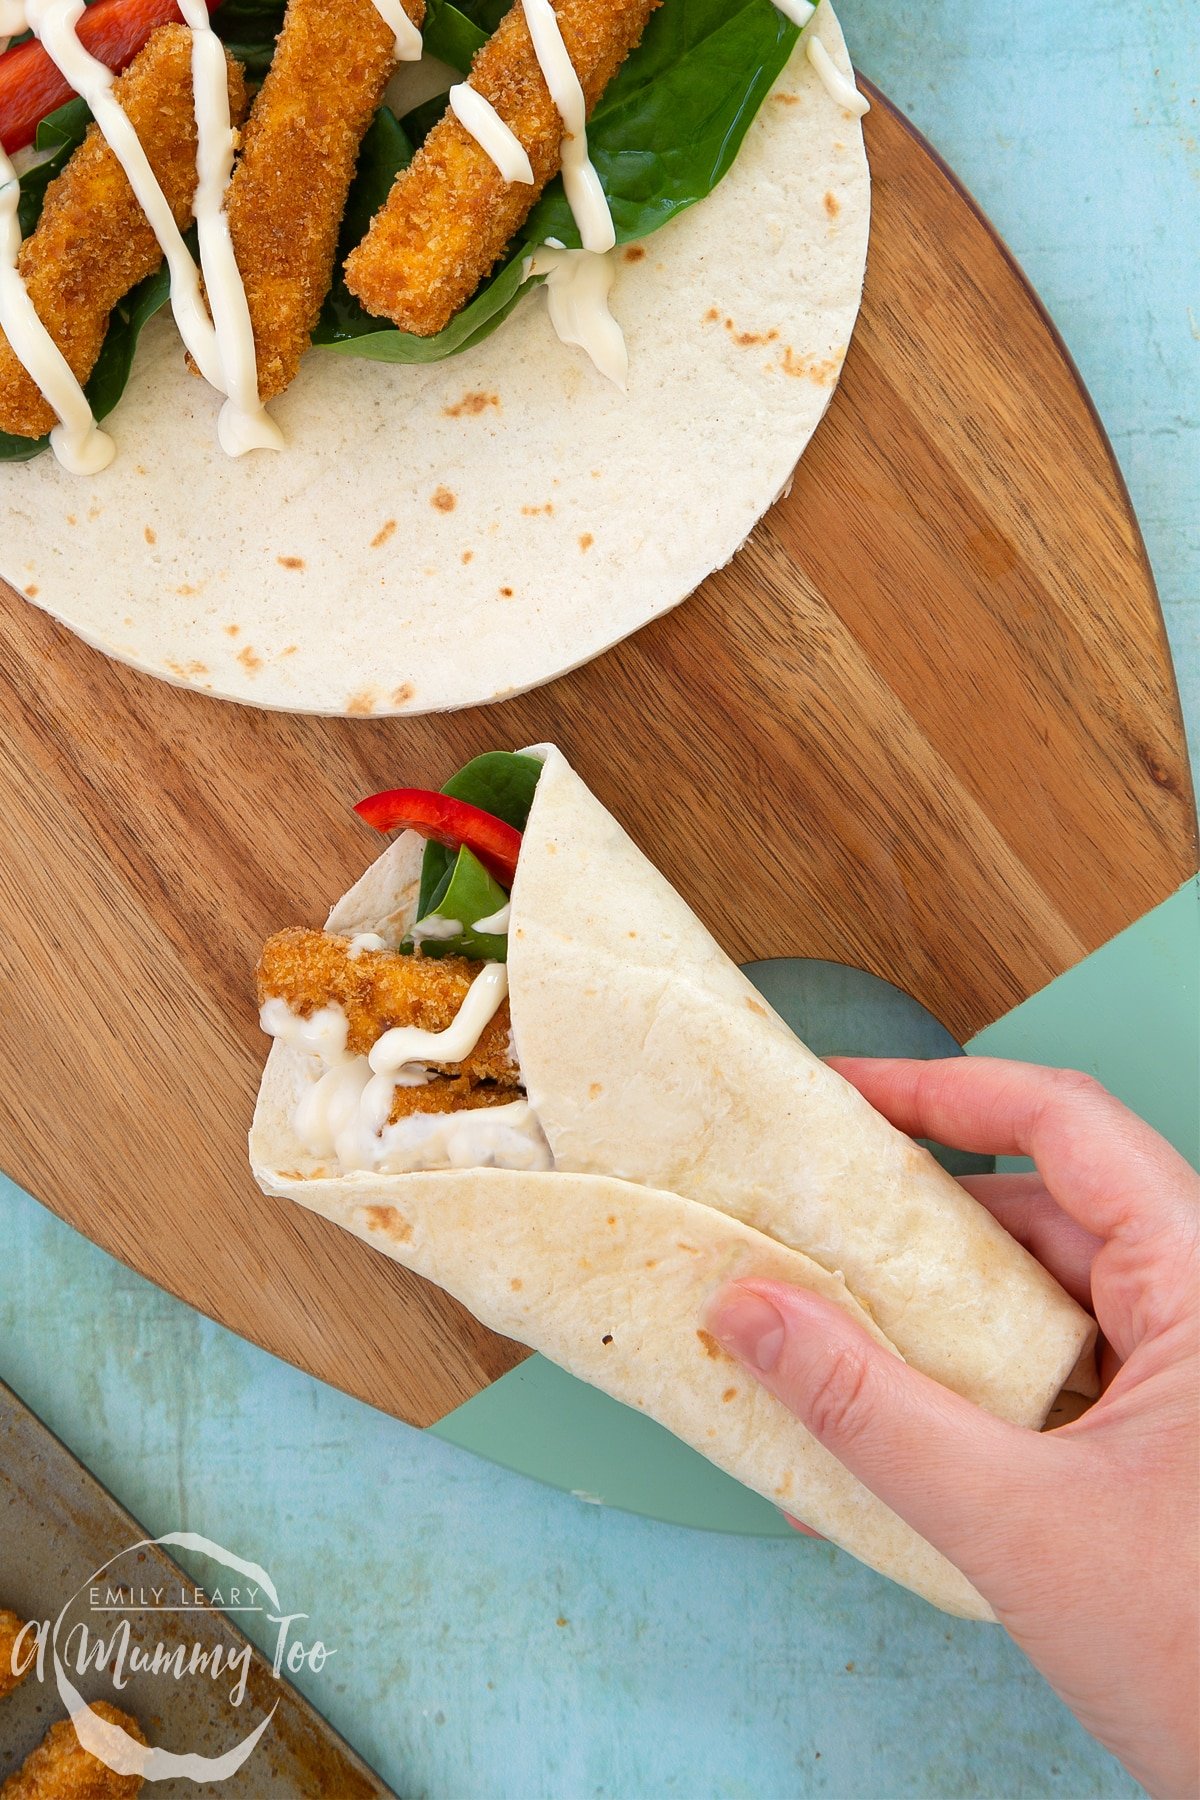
[(1085, 1539)]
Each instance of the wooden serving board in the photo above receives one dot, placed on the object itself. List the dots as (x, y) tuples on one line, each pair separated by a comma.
[(925, 723)]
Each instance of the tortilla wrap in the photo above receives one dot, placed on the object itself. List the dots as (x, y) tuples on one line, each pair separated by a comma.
[(441, 536), (672, 1099), (647, 1054)]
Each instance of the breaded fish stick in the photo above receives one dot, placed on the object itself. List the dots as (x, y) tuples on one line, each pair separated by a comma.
[(333, 60), (451, 213), (11, 1628), (378, 989), (61, 1769), (93, 242)]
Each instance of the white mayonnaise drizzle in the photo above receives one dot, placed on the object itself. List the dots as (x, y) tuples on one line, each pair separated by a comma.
[(244, 423), (435, 929), (839, 87), (408, 38), (578, 283), (409, 1044), (322, 1034), (585, 195), (78, 443), (54, 22), (798, 11), (496, 924), (364, 940), (476, 114), (344, 1112)]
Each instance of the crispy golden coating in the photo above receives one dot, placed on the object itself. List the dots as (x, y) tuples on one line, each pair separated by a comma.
[(462, 1093), (332, 61), (378, 989), (61, 1769), (451, 213), (93, 242), (10, 1629)]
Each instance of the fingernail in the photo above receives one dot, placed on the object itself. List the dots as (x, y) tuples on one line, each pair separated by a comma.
[(750, 1328)]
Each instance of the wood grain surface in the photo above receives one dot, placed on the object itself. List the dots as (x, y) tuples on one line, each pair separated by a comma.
[(925, 723)]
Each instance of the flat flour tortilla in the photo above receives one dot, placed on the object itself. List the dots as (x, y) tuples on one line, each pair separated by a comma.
[(440, 537), (674, 1099)]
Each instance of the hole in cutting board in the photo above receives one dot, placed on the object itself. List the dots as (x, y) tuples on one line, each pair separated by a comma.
[(842, 1011)]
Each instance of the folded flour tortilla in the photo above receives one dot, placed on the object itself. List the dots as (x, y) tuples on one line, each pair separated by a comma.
[(695, 1139)]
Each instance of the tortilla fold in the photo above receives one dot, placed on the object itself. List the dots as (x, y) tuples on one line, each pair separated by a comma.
[(648, 1055)]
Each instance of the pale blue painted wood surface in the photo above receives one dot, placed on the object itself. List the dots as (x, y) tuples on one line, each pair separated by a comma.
[(497, 1639)]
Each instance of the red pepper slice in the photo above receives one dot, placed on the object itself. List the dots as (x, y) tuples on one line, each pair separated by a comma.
[(30, 85), (451, 822)]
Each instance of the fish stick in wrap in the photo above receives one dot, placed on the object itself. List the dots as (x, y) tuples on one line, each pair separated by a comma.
[(669, 1133)]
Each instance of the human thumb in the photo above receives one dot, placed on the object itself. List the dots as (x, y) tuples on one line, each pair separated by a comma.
[(971, 1484)]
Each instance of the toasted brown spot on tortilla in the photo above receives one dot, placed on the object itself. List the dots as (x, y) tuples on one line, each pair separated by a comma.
[(785, 1486), (756, 1006), (150, 535), (388, 1219), (290, 562), (506, 593), (612, 1219), (468, 556), (635, 252), (71, 519), (186, 590), (249, 659), (712, 315), (94, 511), (385, 531), (32, 591), (652, 1262), (822, 373), (533, 512), (551, 850), (833, 205), (711, 1346), (746, 338), (729, 1394), (786, 99), (607, 1338), (595, 1091), (289, 651), (232, 630), (443, 499), (403, 694), (359, 705), (471, 404), (586, 540), (186, 671), (516, 1284)]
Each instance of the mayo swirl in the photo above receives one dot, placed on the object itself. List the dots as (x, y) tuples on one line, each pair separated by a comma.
[(54, 22), (244, 423), (585, 195), (77, 441), (476, 114), (408, 38), (344, 1112), (578, 283), (838, 86), (798, 11)]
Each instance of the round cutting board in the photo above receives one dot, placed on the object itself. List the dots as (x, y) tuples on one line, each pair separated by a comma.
[(925, 723)]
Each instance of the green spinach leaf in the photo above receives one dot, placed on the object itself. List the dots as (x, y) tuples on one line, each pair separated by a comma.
[(499, 782), (466, 895)]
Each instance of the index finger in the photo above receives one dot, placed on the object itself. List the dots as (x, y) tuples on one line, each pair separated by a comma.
[(1111, 1171)]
